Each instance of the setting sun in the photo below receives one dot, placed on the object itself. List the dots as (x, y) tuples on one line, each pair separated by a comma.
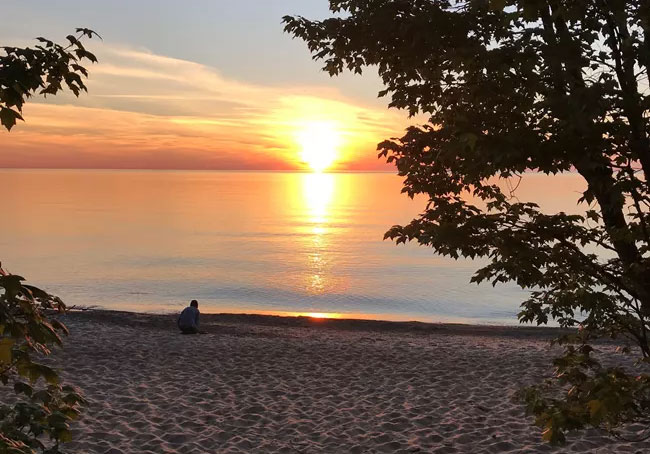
[(319, 142)]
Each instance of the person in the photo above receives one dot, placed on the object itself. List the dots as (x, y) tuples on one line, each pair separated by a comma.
[(188, 321)]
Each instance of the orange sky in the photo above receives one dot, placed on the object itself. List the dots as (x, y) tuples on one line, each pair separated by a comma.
[(155, 112)]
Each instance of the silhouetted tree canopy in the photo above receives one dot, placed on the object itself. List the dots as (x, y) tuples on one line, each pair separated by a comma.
[(44, 69), (511, 87), (38, 417)]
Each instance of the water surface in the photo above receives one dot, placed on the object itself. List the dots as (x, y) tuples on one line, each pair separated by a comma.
[(243, 242)]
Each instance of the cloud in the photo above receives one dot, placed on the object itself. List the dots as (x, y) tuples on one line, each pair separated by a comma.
[(151, 111)]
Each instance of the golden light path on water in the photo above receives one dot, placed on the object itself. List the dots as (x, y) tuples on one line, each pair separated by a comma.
[(317, 190), (315, 194)]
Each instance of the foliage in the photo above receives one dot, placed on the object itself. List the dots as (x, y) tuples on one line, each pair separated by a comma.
[(41, 70), (46, 407), (42, 409), (511, 87)]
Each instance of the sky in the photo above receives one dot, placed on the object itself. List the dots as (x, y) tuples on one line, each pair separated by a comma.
[(199, 84)]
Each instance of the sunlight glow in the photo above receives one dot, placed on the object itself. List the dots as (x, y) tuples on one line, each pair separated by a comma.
[(320, 143), (320, 314), (318, 190)]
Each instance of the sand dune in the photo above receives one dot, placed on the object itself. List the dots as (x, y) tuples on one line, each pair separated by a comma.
[(257, 388)]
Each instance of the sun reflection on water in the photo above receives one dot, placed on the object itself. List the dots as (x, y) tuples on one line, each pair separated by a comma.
[(319, 314), (318, 191)]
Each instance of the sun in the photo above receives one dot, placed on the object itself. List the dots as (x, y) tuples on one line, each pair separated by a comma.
[(319, 142)]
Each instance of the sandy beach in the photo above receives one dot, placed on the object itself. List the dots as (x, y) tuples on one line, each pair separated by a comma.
[(279, 385)]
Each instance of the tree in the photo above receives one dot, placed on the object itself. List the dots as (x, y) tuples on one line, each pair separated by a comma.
[(511, 87), (41, 70), (39, 417), (29, 330)]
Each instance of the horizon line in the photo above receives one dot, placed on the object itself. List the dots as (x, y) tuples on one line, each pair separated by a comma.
[(131, 169)]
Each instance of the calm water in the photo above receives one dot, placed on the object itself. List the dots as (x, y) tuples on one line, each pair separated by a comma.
[(242, 242)]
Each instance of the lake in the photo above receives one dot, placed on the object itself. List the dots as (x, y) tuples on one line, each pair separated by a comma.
[(256, 242)]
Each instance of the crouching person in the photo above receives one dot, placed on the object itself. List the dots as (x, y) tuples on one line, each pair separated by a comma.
[(188, 321)]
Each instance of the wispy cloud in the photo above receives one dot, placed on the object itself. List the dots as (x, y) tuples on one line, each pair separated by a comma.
[(152, 111)]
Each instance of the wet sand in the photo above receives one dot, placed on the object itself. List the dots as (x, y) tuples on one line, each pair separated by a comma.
[(262, 384)]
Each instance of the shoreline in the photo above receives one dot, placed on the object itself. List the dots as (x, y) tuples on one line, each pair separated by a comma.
[(211, 322)]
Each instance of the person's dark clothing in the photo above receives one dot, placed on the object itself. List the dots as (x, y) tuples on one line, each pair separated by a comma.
[(188, 321)]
